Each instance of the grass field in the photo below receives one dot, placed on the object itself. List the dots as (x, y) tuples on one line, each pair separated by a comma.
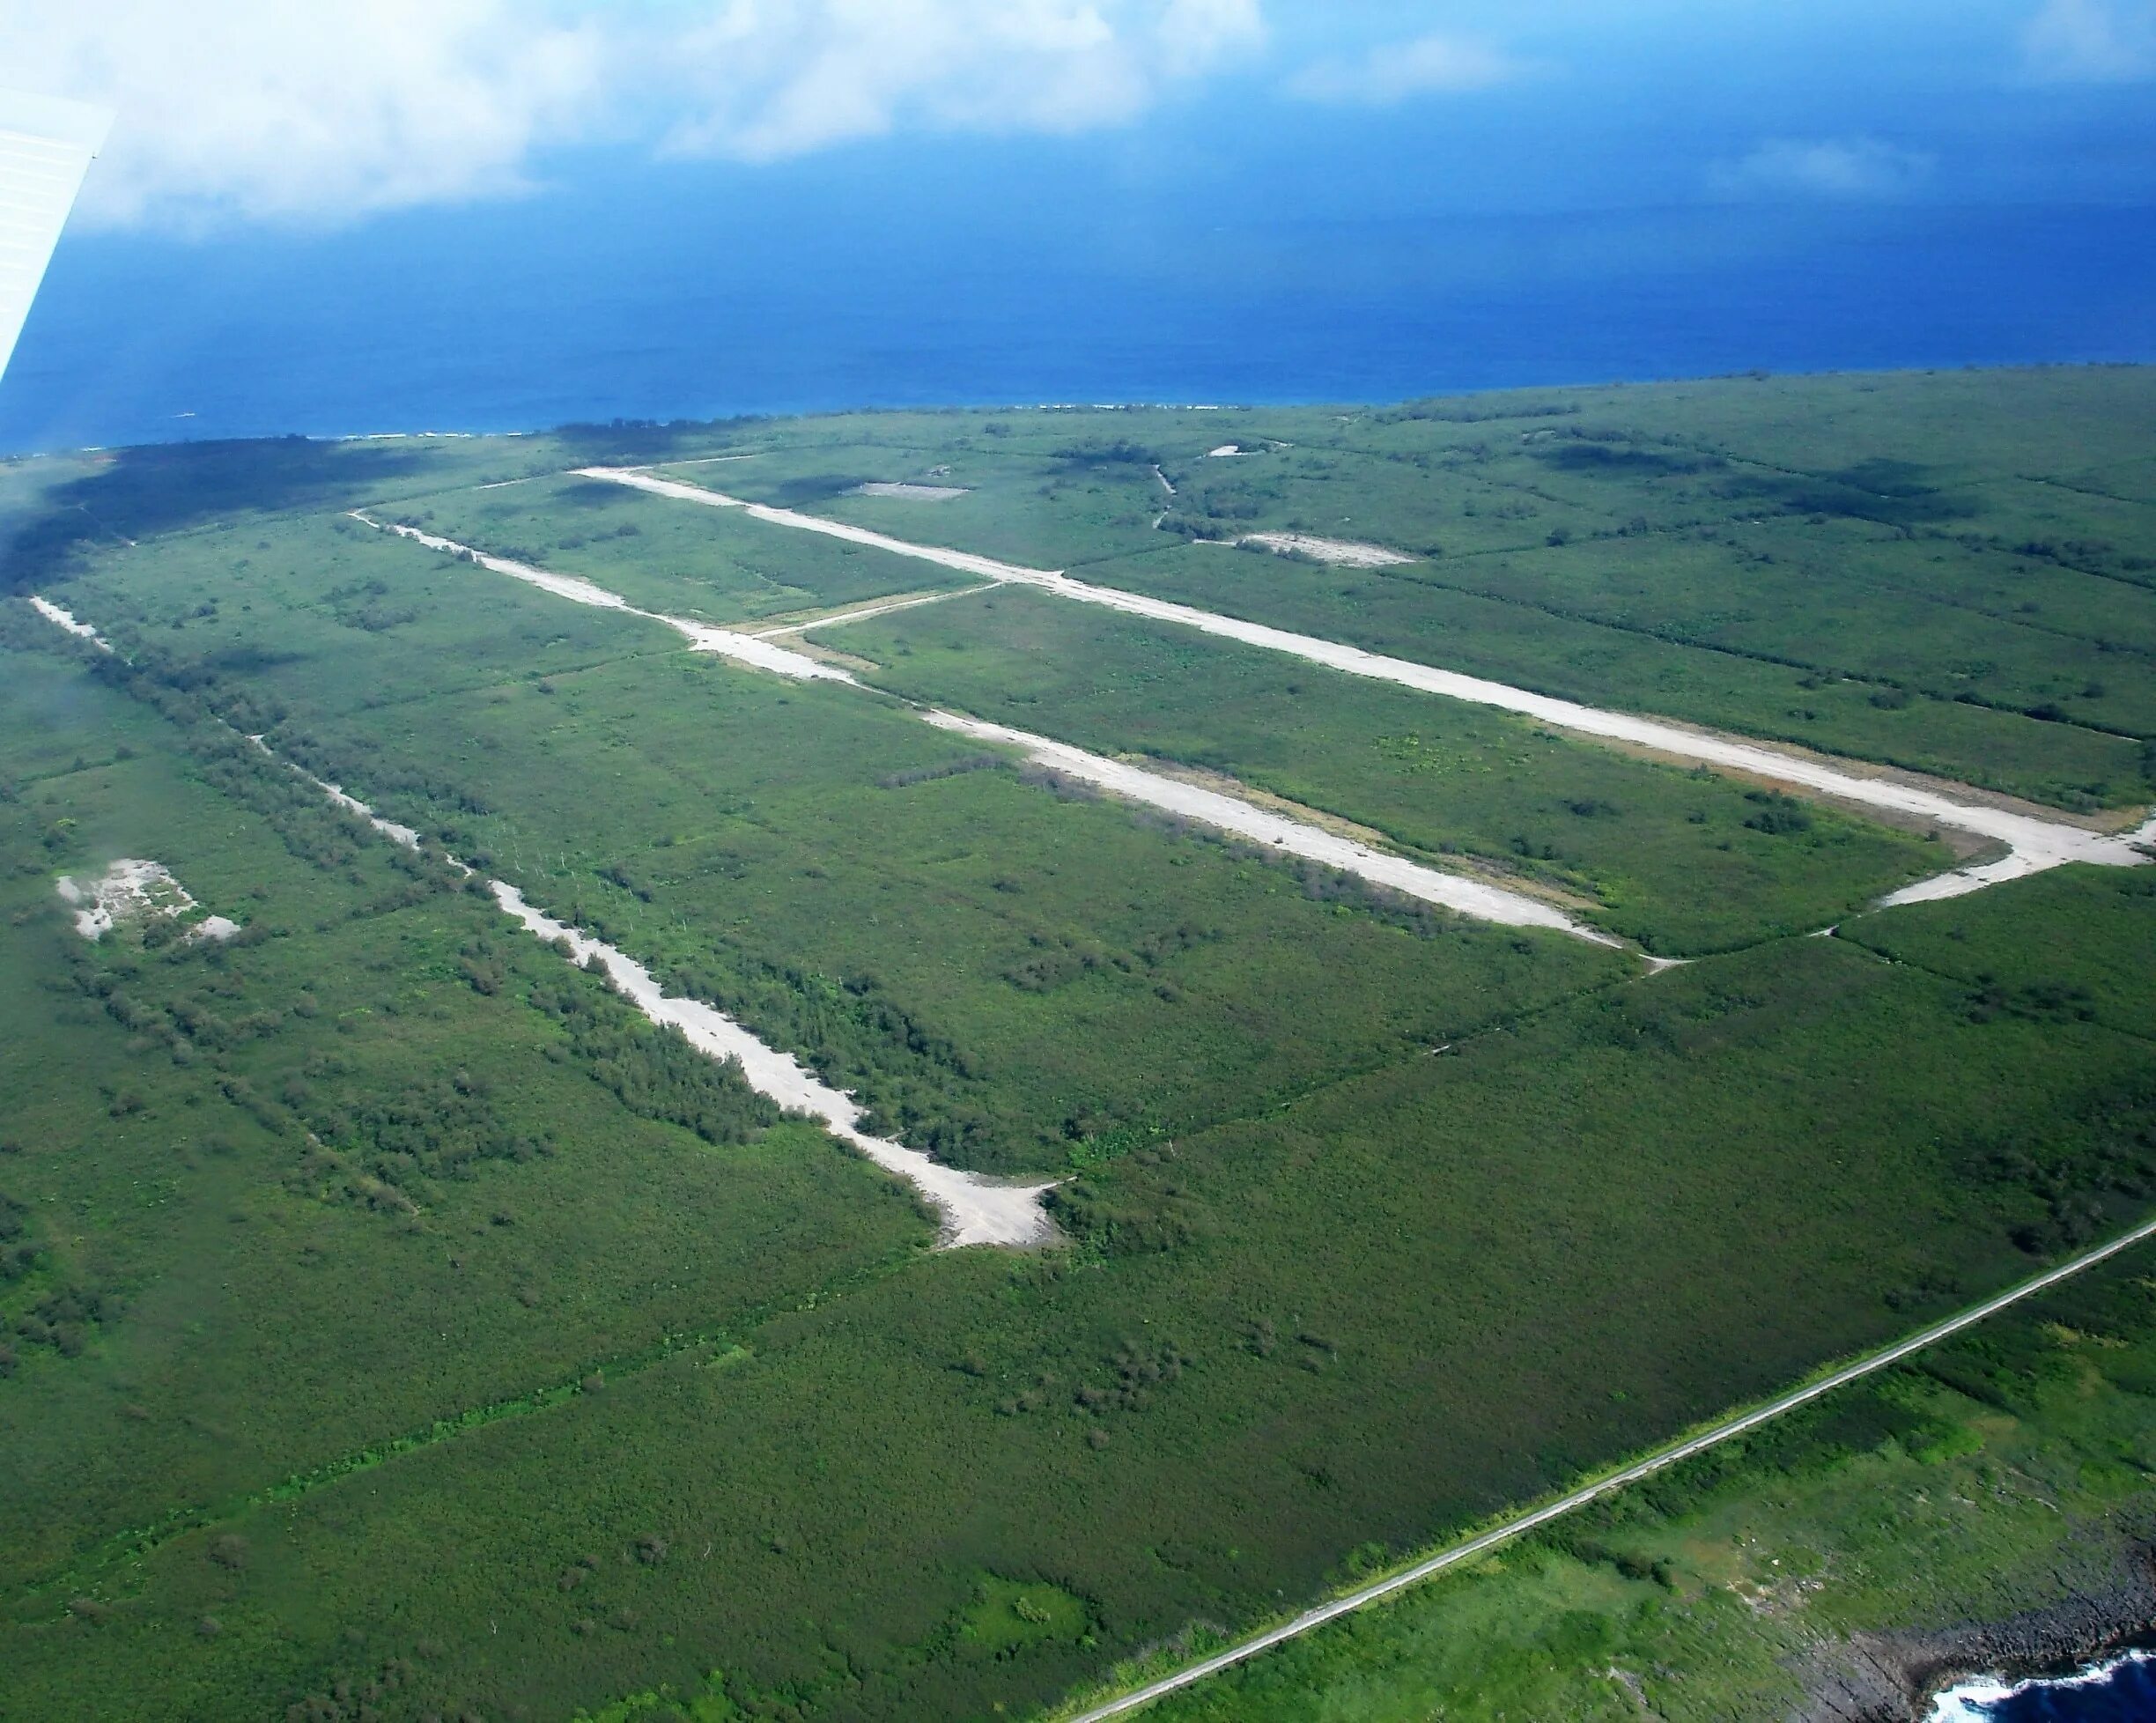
[(1000, 969), (396, 1325), (716, 568), (2005, 1474), (1926, 570), (1682, 864), (290, 1298)]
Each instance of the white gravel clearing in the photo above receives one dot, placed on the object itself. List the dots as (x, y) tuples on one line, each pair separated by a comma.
[(987, 567), (863, 614), (910, 493), (132, 890), (975, 1211), (1343, 553), (82, 631), (2037, 843)]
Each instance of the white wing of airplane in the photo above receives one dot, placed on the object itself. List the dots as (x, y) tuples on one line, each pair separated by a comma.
[(45, 147)]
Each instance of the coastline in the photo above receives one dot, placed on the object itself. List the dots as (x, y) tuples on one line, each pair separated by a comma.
[(1956, 1702), (1899, 1676)]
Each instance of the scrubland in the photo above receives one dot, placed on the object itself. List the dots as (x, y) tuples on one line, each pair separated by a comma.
[(398, 1325)]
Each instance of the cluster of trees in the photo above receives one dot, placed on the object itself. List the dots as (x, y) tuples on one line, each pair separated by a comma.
[(18, 1251), (1612, 454), (1056, 960), (364, 1699), (1328, 885), (1779, 816), (1850, 495), (2033, 1002), (927, 774), (1141, 1207), (2087, 556), (653, 1071), (214, 728), (385, 775), (1473, 411), (206, 1019), (1131, 1379), (1102, 452), (56, 1316), (914, 1082), (2083, 1180), (371, 1143)]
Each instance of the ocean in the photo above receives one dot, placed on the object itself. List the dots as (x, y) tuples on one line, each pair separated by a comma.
[(2120, 1691), (919, 276)]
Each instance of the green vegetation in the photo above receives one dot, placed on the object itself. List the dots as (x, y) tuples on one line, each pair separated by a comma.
[(2007, 1473), (716, 566), (998, 969), (1058, 496), (322, 1185), (1682, 861), (398, 1325), (1929, 570), (1405, 614)]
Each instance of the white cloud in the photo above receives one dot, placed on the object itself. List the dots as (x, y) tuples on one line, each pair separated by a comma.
[(770, 79), (267, 109), (1195, 35), (2091, 41), (1841, 167), (1393, 72), (261, 108)]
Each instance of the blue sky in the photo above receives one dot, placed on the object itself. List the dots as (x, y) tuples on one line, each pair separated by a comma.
[(249, 112), (389, 214)]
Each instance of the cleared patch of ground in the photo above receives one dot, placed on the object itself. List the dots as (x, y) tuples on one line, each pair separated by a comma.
[(1342, 553), (862, 612), (53, 613), (911, 492), (133, 891)]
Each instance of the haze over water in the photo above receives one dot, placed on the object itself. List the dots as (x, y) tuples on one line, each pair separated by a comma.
[(532, 315), (1580, 196)]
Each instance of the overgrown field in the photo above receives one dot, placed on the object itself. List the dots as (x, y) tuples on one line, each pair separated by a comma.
[(1003, 970), (393, 1324), (2005, 1474), (376, 1162), (712, 565), (1682, 861), (1955, 574)]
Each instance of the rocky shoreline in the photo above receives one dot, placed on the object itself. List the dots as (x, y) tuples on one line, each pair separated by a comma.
[(1893, 1677)]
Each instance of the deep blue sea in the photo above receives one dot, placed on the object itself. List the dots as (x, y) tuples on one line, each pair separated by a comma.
[(1024, 274), (2125, 1692)]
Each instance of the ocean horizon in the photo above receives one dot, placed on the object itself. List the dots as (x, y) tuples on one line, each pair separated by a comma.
[(689, 292)]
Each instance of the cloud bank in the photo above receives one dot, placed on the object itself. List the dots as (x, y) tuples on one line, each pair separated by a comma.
[(1394, 72), (271, 110), (768, 80), (1829, 167), (2091, 41), (260, 109)]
